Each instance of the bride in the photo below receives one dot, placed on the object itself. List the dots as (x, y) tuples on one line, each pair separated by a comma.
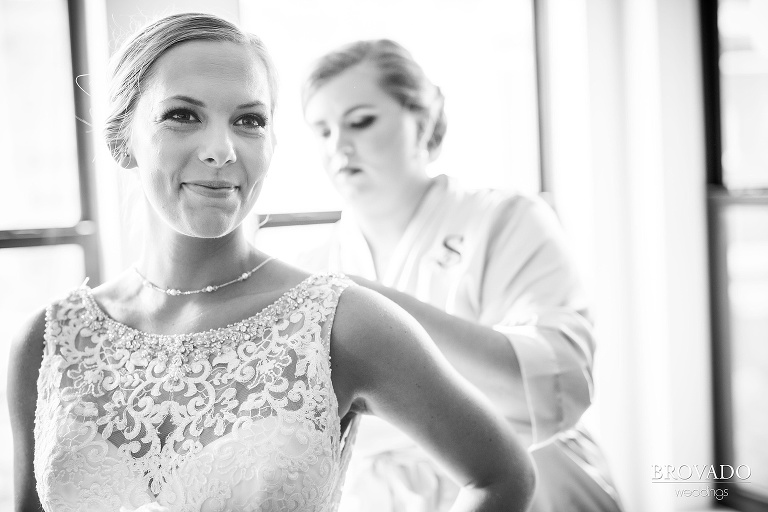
[(210, 376)]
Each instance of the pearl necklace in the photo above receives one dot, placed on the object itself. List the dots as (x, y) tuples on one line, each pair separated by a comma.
[(208, 289)]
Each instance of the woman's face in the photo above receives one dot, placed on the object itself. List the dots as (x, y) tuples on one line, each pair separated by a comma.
[(202, 136), (369, 142)]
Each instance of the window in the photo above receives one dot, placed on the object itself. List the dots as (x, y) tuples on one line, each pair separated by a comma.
[(47, 234), (735, 50)]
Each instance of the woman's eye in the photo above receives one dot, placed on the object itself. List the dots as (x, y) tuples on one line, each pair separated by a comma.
[(181, 116), (252, 121), (363, 122)]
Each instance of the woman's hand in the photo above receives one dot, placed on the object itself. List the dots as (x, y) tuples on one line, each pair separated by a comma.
[(385, 363)]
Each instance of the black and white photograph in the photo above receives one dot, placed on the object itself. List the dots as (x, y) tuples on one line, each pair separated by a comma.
[(384, 256)]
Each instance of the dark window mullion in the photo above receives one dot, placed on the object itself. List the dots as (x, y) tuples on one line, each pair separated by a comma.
[(710, 52), (719, 201), (85, 153), (720, 325), (47, 236)]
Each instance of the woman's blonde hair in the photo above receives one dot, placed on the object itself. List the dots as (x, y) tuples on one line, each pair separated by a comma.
[(131, 66), (400, 76)]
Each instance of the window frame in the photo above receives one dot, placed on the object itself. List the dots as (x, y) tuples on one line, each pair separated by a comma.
[(85, 232), (718, 200)]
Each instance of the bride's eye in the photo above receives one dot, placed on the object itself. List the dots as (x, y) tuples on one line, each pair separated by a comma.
[(252, 121), (180, 115)]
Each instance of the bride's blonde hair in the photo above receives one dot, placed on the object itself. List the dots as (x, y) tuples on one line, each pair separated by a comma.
[(131, 66)]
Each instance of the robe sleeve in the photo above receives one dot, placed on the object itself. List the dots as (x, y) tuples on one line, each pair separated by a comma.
[(530, 292)]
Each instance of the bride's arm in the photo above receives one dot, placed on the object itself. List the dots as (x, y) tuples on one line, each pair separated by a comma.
[(384, 362), (23, 368)]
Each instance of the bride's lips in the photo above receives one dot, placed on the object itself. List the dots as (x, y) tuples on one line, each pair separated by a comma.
[(212, 189)]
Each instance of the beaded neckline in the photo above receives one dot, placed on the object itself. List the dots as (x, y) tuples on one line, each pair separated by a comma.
[(180, 354), (93, 307)]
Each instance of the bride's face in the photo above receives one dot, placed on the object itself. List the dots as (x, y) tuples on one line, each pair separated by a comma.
[(202, 137)]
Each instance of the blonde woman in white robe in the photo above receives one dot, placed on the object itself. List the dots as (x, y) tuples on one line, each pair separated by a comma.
[(486, 272)]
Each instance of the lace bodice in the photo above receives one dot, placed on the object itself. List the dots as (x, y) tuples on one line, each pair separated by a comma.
[(240, 418)]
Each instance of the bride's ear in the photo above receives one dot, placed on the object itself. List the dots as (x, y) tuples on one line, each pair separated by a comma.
[(126, 161), (122, 156)]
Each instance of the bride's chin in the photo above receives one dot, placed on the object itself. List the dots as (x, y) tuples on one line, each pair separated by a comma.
[(210, 228)]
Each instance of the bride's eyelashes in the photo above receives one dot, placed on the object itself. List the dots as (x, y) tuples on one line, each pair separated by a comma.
[(186, 116), (179, 115), (253, 121)]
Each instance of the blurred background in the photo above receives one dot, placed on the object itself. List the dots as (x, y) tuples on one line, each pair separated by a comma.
[(643, 122)]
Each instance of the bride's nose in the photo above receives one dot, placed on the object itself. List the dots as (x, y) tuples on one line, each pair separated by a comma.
[(218, 148)]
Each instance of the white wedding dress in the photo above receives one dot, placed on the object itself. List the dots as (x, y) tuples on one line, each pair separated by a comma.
[(240, 418)]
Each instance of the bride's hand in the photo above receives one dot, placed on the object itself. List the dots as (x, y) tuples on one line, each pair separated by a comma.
[(149, 507)]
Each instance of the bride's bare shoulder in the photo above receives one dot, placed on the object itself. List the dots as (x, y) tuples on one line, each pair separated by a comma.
[(27, 344), (370, 332), (26, 356)]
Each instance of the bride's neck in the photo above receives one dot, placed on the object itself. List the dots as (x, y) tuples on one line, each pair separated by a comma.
[(183, 262)]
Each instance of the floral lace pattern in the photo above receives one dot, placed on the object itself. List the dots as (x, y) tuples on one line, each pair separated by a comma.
[(238, 418)]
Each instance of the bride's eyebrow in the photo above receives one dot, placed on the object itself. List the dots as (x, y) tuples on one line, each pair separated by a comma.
[(201, 104), (252, 104), (188, 99)]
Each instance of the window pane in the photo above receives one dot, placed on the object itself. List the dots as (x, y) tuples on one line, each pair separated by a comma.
[(30, 279), (479, 52), (37, 133), (747, 228), (744, 92)]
